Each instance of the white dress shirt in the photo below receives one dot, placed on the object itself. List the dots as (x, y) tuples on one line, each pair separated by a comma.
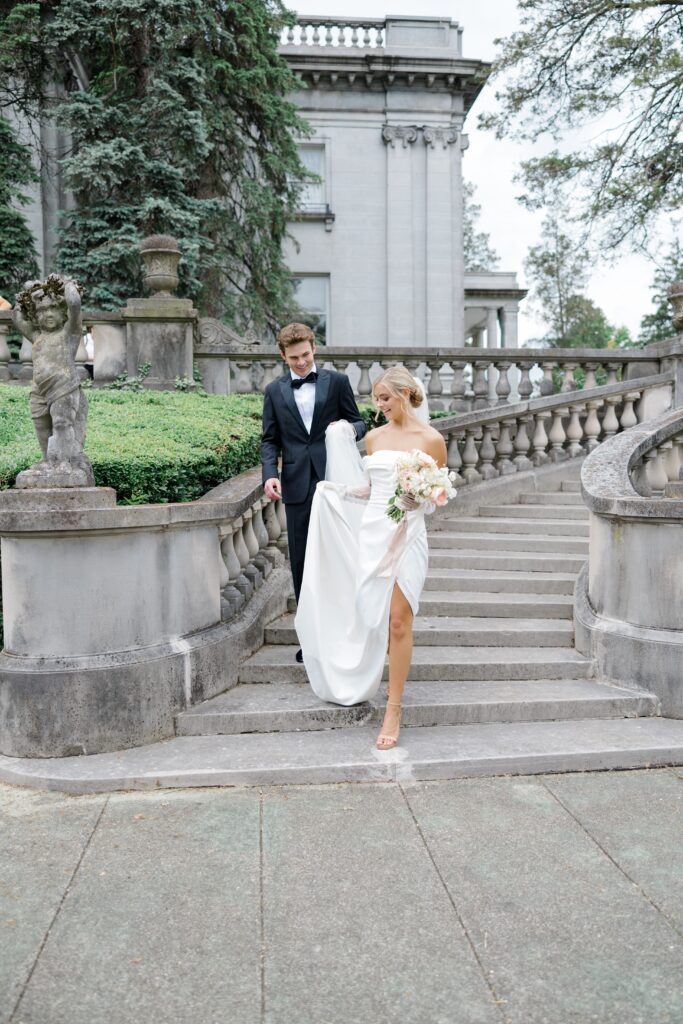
[(305, 398)]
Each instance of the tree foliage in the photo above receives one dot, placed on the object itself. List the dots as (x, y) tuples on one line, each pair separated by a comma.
[(613, 65), (478, 251), (557, 269), (179, 123), (17, 251), (656, 326)]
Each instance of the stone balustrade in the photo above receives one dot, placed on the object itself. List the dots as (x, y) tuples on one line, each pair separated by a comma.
[(629, 596), (455, 379), (314, 30), (525, 435), (177, 596)]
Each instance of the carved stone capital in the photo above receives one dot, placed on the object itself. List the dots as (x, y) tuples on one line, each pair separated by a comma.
[(443, 136), (407, 133)]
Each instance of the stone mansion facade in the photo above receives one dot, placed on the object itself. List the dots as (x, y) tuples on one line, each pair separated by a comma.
[(377, 249)]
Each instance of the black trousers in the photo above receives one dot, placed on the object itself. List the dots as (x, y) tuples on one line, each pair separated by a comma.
[(298, 518)]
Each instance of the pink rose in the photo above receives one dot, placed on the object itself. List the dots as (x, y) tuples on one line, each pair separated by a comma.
[(440, 496)]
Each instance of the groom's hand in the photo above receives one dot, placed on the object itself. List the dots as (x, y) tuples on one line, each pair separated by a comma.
[(272, 489)]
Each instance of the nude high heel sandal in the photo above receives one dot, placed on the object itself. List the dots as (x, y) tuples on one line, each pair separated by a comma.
[(384, 740)]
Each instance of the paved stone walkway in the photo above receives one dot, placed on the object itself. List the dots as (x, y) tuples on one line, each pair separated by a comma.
[(538, 900)]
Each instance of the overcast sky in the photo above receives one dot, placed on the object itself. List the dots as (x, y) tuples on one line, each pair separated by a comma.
[(622, 290)]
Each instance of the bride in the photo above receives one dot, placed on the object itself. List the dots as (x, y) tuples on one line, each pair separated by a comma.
[(363, 574)]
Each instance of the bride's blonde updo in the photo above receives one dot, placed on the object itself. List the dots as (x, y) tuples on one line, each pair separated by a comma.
[(397, 380)]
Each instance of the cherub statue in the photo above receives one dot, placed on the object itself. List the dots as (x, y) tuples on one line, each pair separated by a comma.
[(48, 314)]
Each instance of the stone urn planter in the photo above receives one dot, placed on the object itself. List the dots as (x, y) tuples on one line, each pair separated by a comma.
[(675, 296), (160, 256)]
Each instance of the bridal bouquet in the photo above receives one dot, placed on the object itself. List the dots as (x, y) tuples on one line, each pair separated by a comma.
[(419, 480)]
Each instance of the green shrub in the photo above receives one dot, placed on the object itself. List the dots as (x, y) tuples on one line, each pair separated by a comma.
[(151, 446)]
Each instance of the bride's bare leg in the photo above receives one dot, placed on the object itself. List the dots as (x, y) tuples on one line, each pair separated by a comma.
[(400, 657)]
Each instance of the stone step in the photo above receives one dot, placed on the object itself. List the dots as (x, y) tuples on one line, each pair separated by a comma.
[(293, 707), (535, 511), (552, 498), (444, 631), (557, 544), (506, 561), (570, 485), (439, 752), (499, 582), (275, 663), (505, 605), (494, 524)]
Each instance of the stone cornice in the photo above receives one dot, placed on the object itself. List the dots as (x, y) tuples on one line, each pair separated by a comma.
[(333, 68)]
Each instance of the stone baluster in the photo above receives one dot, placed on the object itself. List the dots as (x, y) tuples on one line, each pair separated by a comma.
[(364, 384), (504, 449), (525, 387), (568, 382), (233, 597), (459, 401), (453, 456), (243, 583), (591, 427), (5, 354), (610, 423), (243, 376), (282, 542), (612, 370), (480, 385), (574, 431), (547, 386), (251, 571), (435, 386), (522, 445), (557, 436), (81, 358), (655, 472), (487, 454), (539, 441), (26, 360), (590, 381), (666, 450), (470, 458), (271, 371), (503, 386), (628, 415), (261, 560), (672, 459), (272, 523)]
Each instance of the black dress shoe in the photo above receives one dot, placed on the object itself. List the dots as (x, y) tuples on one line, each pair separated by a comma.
[(300, 656)]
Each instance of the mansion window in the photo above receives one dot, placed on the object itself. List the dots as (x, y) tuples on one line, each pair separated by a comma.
[(311, 292), (313, 195)]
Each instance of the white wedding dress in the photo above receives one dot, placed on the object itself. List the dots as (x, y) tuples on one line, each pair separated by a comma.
[(354, 556)]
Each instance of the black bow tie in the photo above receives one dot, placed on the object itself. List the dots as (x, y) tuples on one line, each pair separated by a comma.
[(312, 377)]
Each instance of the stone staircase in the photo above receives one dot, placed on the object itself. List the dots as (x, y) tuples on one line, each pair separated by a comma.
[(496, 686)]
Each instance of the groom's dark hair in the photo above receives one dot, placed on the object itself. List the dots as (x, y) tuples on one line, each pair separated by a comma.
[(292, 334)]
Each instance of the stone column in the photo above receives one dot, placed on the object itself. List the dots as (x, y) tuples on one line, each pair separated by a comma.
[(5, 354), (399, 140), (443, 222), (492, 335), (509, 326)]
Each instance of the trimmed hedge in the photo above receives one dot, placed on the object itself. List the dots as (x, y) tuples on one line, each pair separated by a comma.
[(151, 446)]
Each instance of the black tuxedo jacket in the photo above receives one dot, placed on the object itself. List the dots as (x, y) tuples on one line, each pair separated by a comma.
[(284, 432)]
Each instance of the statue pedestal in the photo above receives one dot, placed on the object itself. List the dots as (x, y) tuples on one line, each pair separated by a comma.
[(160, 331)]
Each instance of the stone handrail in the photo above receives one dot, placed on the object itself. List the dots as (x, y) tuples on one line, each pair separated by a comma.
[(456, 379), (159, 630), (629, 596), (314, 30), (506, 440)]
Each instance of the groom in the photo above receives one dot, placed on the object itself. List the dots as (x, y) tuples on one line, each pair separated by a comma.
[(298, 407)]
